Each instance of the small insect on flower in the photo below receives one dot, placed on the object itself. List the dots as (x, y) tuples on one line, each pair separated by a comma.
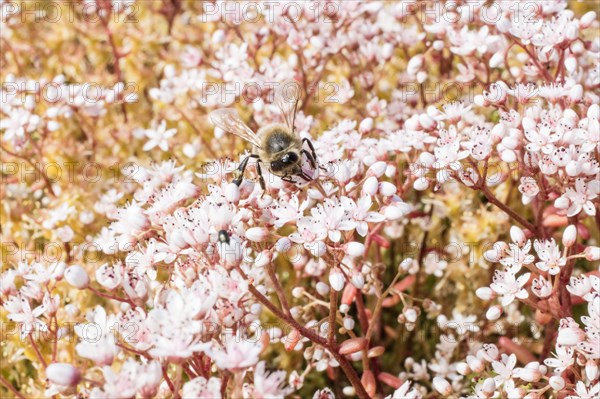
[(223, 237), (277, 145)]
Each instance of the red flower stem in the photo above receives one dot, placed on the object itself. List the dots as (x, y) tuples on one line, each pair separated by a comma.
[(332, 314), (117, 56), (509, 211), (37, 351), (10, 387), (278, 289), (167, 379), (312, 336)]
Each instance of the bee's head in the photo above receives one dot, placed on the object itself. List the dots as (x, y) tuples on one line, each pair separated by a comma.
[(286, 160), (224, 237)]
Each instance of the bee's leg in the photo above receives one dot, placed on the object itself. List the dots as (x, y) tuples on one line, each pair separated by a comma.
[(305, 176), (312, 148), (313, 153), (261, 179), (287, 179), (242, 169), (311, 159)]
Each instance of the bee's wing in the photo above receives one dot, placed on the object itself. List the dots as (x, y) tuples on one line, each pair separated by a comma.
[(229, 120), (286, 98)]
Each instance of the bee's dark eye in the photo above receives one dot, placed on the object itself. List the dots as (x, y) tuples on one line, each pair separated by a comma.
[(289, 158)]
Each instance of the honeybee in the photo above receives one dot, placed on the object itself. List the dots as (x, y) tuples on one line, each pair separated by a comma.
[(276, 145)]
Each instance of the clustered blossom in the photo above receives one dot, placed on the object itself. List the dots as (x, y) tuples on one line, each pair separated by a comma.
[(446, 246)]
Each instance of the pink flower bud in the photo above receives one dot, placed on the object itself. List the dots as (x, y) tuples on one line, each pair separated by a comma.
[(63, 374), (561, 203), (576, 93), (322, 288), (414, 64), (503, 25), (442, 386), (480, 101), (348, 323), (488, 353), (297, 292), (529, 373), (357, 280), (370, 186), (51, 304), (463, 368), (571, 64), (336, 279), (592, 253), (569, 236), (426, 121), (587, 19), (517, 236), (494, 313), (411, 314), (571, 31), (77, 277), (489, 387), (291, 340), (263, 258), (421, 184), (377, 169), (557, 382), (366, 125), (492, 255), (283, 245), (355, 249), (232, 193), (593, 111), (352, 345), (257, 234), (497, 59), (317, 249), (475, 364), (396, 211), (591, 369), (387, 50), (387, 189), (570, 336)]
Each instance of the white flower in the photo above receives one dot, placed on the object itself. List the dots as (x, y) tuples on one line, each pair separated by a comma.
[(517, 256), (159, 136), (504, 368), (550, 256), (97, 340), (541, 287), (362, 214), (563, 359), (20, 311), (528, 187), (509, 287), (236, 355), (579, 198), (201, 388), (269, 384), (585, 392), (579, 286), (463, 324), (405, 392)]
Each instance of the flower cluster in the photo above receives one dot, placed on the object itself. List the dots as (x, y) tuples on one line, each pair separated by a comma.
[(445, 242)]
